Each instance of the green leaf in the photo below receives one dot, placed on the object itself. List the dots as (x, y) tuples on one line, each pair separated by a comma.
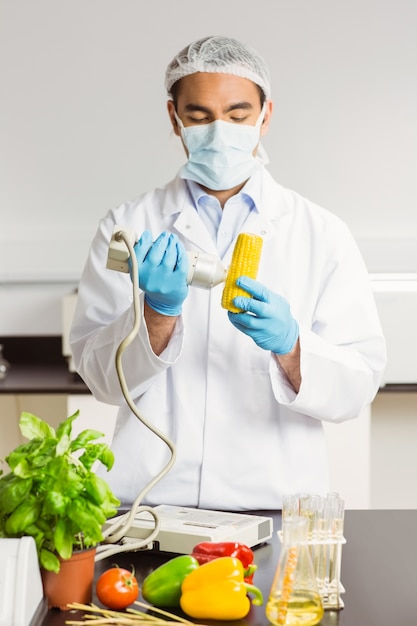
[(85, 520), (101, 495), (46, 450), (97, 452), (23, 516), (45, 527), (63, 445), (5, 480), (96, 512), (65, 427), (64, 538), (23, 452), (33, 427), (110, 507), (74, 484), (30, 459), (13, 491), (22, 469), (55, 503), (96, 488), (84, 438), (49, 561), (37, 533), (107, 457)]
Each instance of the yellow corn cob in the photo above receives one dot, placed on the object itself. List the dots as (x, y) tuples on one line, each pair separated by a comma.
[(245, 262)]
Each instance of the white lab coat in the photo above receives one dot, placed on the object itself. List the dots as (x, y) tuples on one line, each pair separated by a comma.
[(243, 436)]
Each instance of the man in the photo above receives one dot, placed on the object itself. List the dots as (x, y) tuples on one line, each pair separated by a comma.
[(241, 395)]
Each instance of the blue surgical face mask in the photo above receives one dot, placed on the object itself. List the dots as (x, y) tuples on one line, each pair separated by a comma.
[(220, 154)]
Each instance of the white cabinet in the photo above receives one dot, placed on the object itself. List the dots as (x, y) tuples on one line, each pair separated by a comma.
[(53, 408), (50, 407), (93, 414), (393, 451), (396, 301)]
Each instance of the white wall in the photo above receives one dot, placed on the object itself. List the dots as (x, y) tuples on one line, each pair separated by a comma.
[(83, 123)]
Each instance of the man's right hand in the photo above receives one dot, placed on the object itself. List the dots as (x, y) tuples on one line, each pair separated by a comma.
[(163, 268)]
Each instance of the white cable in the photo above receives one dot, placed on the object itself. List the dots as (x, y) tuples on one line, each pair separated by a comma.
[(118, 529)]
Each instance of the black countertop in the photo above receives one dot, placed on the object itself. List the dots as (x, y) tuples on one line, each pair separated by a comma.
[(42, 379), (378, 572)]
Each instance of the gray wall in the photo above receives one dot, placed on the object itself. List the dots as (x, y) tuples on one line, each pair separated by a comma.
[(83, 123)]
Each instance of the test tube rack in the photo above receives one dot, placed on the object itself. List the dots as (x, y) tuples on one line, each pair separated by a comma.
[(326, 556)]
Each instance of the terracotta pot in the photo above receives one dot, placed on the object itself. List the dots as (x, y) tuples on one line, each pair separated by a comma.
[(73, 583)]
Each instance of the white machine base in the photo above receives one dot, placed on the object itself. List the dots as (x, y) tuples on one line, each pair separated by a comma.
[(182, 528)]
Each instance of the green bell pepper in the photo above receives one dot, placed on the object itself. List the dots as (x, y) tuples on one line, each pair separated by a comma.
[(162, 587)]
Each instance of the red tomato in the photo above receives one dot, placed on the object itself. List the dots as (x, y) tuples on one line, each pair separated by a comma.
[(117, 588)]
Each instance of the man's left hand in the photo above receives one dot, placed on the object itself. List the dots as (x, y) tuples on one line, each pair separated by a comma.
[(267, 318)]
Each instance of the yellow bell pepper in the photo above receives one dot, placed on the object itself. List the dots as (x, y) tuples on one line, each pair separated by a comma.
[(217, 590)]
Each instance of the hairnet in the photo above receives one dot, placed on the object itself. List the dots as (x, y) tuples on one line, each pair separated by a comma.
[(219, 54)]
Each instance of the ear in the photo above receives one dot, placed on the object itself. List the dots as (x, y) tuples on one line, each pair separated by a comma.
[(171, 113), (268, 113)]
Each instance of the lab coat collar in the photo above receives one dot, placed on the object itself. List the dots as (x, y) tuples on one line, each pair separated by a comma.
[(188, 223), (270, 203)]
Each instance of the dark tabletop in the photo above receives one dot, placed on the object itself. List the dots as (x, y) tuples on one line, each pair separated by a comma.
[(379, 571)]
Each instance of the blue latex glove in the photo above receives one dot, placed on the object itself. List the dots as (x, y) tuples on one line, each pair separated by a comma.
[(163, 267), (267, 317)]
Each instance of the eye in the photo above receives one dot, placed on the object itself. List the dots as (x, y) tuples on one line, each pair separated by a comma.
[(240, 115), (198, 120), (239, 119)]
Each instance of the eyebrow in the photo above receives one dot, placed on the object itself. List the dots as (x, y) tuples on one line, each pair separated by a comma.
[(237, 105)]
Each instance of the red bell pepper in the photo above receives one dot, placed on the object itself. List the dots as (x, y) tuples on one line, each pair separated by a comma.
[(209, 550)]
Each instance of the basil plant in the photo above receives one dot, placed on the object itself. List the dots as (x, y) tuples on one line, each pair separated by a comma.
[(52, 492)]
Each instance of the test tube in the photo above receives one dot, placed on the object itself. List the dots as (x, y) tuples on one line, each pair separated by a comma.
[(336, 535), (321, 534), (308, 505), (290, 506)]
